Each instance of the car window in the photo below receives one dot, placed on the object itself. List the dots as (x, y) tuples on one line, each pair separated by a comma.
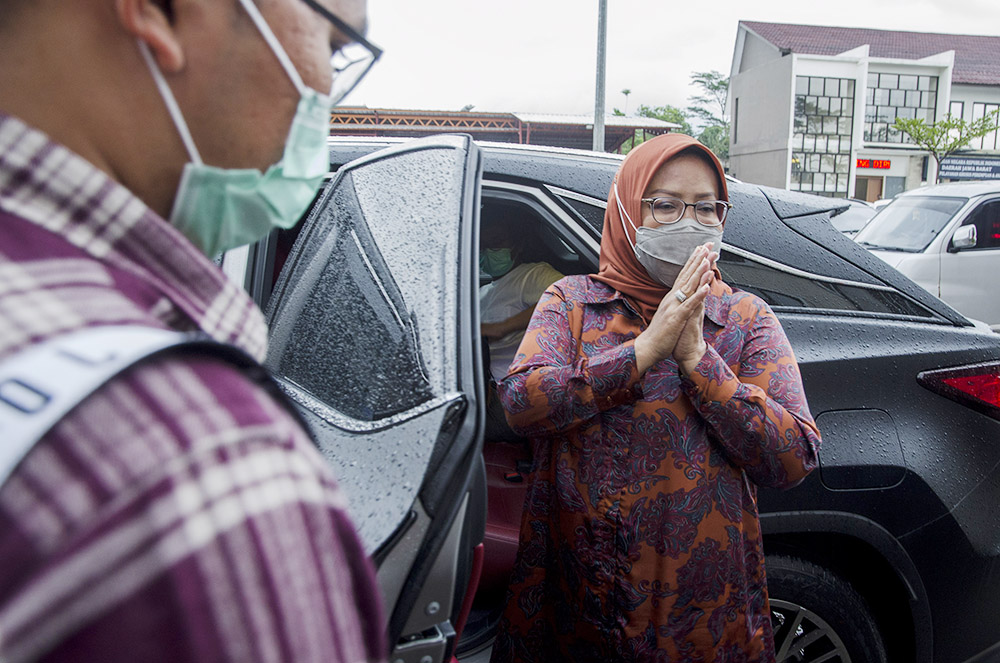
[(366, 332), (986, 218), (909, 223), (785, 288), (551, 234), (593, 214)]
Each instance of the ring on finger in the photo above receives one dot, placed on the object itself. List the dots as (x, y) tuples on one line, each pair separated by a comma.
[(681, 297)]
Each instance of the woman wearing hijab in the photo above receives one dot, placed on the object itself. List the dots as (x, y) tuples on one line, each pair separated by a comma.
[(656, 398)]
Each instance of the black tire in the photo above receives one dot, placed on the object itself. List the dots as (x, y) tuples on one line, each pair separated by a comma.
[(818, 616)]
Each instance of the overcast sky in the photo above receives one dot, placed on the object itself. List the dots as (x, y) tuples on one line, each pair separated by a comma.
[(539, 55)]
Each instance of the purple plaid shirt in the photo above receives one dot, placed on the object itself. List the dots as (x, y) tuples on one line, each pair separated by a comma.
[(178, 513)]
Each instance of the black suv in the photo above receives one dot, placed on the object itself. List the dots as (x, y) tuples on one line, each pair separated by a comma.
[(889, 551)]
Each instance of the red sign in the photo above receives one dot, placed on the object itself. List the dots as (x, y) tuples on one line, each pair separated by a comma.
[(874, 163)]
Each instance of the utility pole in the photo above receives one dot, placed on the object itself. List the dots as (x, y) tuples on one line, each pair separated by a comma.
[(602, 32)]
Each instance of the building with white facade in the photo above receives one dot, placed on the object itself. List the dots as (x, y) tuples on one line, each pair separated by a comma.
[(812, 108)]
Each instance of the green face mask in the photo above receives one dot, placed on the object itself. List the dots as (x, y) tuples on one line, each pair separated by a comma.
[(496, 262), (222, 208)]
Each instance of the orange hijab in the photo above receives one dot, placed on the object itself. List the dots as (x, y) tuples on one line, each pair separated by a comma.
[(619, 268)]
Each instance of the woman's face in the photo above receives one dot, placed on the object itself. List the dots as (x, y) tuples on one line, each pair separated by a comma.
[(687, 177)]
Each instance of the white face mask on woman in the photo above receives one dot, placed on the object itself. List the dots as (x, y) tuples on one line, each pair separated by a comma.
[(663, 251)]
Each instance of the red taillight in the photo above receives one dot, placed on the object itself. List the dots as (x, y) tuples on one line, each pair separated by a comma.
[(984, 387), (976, 386)]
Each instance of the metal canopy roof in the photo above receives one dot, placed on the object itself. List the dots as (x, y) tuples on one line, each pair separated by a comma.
[(575, 131)]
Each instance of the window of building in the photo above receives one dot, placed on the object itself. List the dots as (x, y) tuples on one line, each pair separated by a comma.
[(897, 95), (821, 138), (957, 109), (989, 141), (894, 186), (736, 120)]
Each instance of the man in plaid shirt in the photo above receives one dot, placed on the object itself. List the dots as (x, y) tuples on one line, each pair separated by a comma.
[(179, 513)]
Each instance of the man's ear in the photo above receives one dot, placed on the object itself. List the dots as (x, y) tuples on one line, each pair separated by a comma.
[(146, 21)]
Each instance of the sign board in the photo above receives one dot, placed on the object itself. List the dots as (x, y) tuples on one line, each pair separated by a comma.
[(970, 168), (874, 163)]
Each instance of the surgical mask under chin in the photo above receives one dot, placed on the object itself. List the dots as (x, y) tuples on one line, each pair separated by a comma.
[(664, 250), (221, 208), (496, 262)]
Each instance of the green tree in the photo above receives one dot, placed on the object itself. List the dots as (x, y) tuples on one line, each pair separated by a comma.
[(710, 106), (716, 138), (665, 113), (944, 138), (709, 109)]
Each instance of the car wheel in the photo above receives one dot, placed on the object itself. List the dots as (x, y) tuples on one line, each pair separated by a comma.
[(817, 616)]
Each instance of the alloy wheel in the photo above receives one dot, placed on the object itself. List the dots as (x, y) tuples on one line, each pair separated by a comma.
[(802, 636)]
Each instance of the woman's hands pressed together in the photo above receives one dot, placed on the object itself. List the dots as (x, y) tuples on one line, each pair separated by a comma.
[(676, 327)]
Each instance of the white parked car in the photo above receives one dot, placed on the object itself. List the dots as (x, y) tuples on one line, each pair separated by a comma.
[(946, 238)]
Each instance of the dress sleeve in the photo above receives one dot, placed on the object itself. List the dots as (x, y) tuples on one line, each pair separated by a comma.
[(551, 386), (760, 415)]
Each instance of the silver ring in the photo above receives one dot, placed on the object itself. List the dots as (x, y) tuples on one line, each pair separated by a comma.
[(681, 297)]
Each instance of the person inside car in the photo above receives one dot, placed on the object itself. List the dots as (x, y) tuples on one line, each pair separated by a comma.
[(506, 303), (656, 399), (179, 513)]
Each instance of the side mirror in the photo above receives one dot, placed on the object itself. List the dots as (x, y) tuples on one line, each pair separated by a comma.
[(964, 238)]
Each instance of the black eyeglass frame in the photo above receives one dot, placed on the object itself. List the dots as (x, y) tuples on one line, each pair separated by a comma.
[(725, 205), (355, 36)]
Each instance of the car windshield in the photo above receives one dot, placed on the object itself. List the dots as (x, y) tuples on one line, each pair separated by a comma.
[(853, 218), (909, 223)]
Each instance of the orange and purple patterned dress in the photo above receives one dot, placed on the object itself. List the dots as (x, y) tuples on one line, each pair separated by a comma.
[(640, 539)]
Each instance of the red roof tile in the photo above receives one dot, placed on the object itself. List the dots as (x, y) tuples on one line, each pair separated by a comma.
[(977, 58)]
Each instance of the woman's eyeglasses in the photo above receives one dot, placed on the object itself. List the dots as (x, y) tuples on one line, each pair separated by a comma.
[(667, 210)]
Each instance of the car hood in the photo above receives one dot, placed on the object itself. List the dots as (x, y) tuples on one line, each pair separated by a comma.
[(893, 258)]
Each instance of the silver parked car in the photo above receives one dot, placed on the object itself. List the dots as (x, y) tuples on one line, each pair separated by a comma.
[(946, 238)]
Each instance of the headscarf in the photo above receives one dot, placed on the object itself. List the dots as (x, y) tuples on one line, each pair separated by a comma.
[(619, 268)]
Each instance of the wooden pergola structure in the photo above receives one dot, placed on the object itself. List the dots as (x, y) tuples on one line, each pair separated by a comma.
[(524, 128)]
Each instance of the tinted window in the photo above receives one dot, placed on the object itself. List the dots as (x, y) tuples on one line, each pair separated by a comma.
[(986, 218), (368, 307), (910, 223), (784, 288), (592, 214)]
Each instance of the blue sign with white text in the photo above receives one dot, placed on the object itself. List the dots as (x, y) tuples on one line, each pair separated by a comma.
[(970, 168)]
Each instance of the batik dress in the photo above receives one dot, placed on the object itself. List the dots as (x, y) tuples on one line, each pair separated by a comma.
[(640, 538)]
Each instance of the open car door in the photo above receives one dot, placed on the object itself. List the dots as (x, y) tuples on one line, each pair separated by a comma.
[(374, 335)]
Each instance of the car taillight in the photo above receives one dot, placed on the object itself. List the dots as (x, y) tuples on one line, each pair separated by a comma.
[(975, 386)]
